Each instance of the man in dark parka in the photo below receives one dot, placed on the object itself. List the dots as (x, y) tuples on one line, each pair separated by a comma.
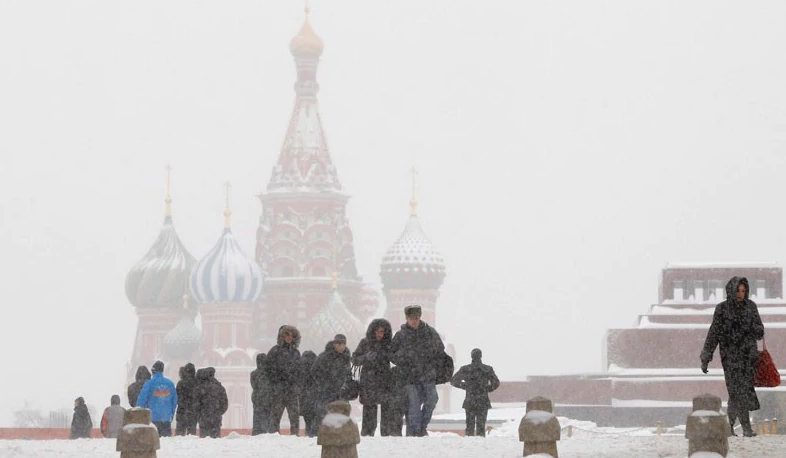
[(260, 397), (373, 356), (186, 416), (736, 326), (330, 371), (416, 348), (210, 401), (478, 380), (142, 375), (283, 370)]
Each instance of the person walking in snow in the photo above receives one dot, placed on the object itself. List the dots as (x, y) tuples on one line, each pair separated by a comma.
[(112, 419), (478, 380), (330, 371), (373, 356), (417, 348), (81, 424), (211, 402), (283, 370), (260, 397), (160, 396), (307, 393), (142, 376), (186, 417), (736, 326)]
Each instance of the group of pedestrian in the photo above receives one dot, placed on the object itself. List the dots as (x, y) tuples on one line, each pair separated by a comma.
[(397, 377)]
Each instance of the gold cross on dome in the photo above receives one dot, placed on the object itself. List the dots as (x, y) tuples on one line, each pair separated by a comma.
[(227, 211), (168, 199)]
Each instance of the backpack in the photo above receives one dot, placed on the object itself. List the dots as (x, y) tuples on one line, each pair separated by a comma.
[(444, 368)]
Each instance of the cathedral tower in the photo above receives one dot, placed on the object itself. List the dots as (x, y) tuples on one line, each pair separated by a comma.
[(304, 233)]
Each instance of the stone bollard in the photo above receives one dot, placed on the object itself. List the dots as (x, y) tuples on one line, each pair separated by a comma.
[(539, 428), (706, 428), (138, 438), (338, 434)]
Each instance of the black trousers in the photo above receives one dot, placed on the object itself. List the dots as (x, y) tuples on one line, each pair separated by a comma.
[(288, 401), (210, 430), (164, 428), (261, 422), (476, 422), (389, 420), (186, 427)]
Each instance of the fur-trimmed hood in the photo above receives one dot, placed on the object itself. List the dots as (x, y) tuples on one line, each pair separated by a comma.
[(379, 323), (292, 330), (733, 284)]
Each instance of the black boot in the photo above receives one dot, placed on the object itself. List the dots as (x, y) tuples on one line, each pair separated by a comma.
[(732, 420), (745, 421)]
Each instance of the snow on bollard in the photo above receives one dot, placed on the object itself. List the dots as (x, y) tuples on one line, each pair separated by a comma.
[(138, 438), (338, 434), (539, 428), (706, 428)]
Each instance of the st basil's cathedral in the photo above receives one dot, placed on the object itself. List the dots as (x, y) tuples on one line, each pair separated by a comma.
[(303, 271)]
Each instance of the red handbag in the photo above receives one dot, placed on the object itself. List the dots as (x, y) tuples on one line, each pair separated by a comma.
[(767, 374)]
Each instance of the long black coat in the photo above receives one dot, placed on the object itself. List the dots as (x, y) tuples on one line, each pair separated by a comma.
[(185, 395), (142, 375), (478, 380), (735, 328), (308, 385), (416, 352), (373, 356), (81, 424)]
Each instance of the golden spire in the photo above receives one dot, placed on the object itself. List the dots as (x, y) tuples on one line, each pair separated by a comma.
[(306, 43), (168, 199), (227, 211), (413, 202)]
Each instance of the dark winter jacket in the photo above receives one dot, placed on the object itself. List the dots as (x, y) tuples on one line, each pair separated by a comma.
[(478, 380), (81, 424), (330, 371), (160, 396), (373, 356), (185, 395), (735, 328), (142, 376), (260, 387), (283, 362), (210, 398), (417, 352), (308, 385)]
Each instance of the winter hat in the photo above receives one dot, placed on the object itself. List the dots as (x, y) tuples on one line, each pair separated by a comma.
[(412, 311), (340, 339), (115, 401), (158, 366), (476, 354)]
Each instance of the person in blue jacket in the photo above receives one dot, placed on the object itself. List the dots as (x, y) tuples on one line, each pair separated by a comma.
[(160, 396)]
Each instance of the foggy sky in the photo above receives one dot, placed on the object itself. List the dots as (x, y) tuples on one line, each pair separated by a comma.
[(567, 151)]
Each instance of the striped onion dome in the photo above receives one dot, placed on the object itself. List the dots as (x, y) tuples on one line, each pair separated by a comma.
[(225, 274), (183, 340), (412, 261), (334, 318), (159, 278)]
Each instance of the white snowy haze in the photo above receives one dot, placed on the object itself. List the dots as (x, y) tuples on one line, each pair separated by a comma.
[(567, 151)]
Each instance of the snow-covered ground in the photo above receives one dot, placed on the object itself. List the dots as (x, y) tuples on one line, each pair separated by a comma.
[(587, 441)]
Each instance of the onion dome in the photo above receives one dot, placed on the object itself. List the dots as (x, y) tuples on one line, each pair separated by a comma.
[(159, 278), (334, 318), (183, 340), (225, 274), (412, 262), (306, 43)]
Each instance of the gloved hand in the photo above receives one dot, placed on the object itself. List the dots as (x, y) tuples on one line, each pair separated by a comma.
[(371, 356), (704, 365)]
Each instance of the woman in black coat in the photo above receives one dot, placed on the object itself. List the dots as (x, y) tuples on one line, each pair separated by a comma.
[(81, 424), (142, 375), (373, 356), (736, 326)]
